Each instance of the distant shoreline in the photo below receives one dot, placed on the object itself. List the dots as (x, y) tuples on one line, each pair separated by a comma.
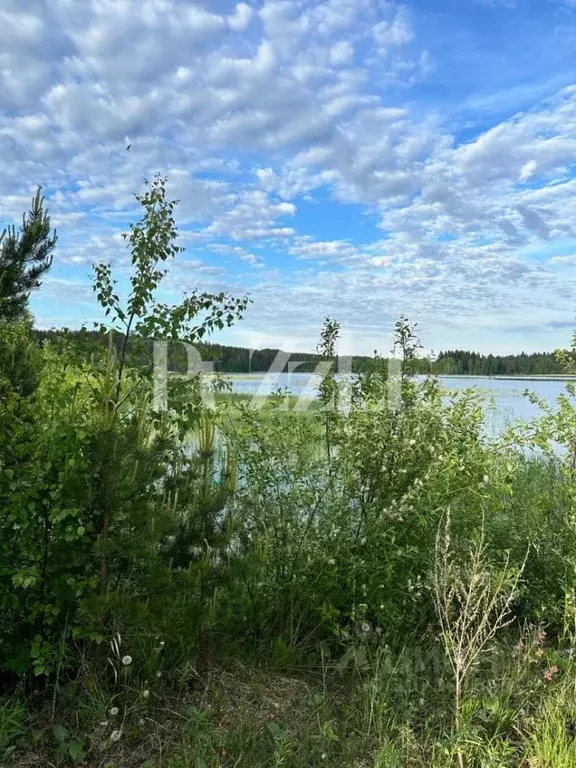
[(481, 377), (510, 377)]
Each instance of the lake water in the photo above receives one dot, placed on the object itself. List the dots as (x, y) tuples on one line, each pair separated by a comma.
[(505, 400)]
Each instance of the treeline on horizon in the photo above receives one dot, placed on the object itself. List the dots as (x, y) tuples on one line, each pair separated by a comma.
[(231, 359), (461, 362)]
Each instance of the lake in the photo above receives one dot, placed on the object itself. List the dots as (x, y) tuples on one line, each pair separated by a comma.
[(505, 400)]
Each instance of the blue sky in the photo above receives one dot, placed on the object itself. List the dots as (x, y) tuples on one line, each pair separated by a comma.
[(353, 158)]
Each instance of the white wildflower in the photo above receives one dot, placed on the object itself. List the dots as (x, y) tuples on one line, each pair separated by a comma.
[(331, 561), (146, 693), (114, 711), (365, 626), (115, 735), (126, 660)]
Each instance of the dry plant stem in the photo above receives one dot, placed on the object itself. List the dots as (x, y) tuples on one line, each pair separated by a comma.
[(472, 608)]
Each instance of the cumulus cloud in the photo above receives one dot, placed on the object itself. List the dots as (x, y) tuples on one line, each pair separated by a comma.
[(256, 110), (237, 251), (243, 15), (395, 31), (333, 250)]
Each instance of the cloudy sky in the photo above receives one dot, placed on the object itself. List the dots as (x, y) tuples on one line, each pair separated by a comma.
[(357, 158)]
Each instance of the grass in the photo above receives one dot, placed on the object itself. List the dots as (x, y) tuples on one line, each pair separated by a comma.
[(552, 742), (233, 715), (255, 376), (240, 716), (370, 714), (267, 402)]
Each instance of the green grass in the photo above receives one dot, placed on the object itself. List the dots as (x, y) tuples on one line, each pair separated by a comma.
[(250, 715), (268, 402)]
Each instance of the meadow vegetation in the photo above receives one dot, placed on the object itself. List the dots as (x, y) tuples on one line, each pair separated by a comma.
[(371, 582)]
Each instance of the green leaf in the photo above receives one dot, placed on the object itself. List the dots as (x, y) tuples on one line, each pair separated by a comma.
[(76, 751)]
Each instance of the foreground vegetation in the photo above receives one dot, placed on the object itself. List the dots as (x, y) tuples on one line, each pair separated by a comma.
[(371, 582)]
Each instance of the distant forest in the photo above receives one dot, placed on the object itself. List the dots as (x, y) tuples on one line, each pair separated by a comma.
[(228, 359), (471, 363)]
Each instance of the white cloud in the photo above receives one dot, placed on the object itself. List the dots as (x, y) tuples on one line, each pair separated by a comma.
[(251, 215), (254, 110), (332, 250), (396, 31), (243, 15), (528, 170), (341, 53), (237, 251)]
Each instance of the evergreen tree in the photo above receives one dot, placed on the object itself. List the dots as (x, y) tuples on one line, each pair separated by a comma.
[(25, 255)]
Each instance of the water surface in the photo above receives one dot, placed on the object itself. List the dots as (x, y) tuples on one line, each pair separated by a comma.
[(505, 400)]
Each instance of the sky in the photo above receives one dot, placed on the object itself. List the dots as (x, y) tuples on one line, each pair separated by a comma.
[(360, 159)]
